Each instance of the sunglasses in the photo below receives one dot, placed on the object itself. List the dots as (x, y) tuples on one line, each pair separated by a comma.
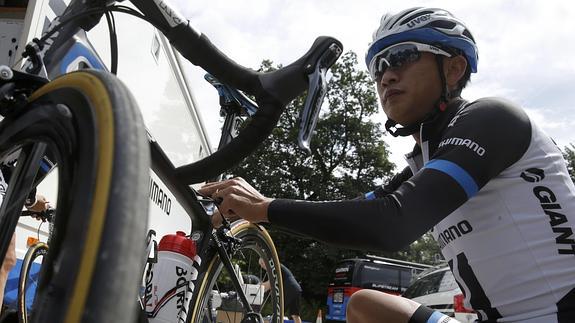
[(399, 55)]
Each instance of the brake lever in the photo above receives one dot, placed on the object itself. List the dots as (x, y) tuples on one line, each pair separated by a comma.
[(317, 89)]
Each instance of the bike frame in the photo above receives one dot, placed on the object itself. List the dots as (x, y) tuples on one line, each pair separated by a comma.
[(55, 52), (272, 91)]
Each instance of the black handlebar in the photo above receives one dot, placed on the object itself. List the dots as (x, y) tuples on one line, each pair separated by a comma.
[(46, 215), (273, 91)]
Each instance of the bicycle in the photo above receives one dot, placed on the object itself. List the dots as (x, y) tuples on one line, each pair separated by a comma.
[(86, 119)]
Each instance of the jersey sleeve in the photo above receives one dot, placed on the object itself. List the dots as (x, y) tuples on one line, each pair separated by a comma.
[(391, 186), (482, 140)]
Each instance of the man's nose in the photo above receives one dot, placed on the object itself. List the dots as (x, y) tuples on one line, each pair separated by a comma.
[(390, 76)]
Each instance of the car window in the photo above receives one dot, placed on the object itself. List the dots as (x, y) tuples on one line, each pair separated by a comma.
[(447, 282), (405, 279), (425, 285)]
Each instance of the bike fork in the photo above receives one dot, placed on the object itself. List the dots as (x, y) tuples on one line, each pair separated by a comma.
[(251, 316)]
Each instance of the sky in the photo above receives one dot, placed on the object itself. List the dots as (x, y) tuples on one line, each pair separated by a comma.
[(525, 48)]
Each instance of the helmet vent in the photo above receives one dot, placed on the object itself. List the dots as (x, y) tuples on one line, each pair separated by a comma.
[(449, 25), (468, 34)]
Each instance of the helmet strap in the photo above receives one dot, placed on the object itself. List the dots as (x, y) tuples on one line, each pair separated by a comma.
[(445, 94), (391, 127)]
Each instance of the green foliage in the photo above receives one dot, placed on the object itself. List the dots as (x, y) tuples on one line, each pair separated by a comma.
[(569, 155), (349, 157)]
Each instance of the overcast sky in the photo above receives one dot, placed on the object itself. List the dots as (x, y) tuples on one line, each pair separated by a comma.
[(525, 47)]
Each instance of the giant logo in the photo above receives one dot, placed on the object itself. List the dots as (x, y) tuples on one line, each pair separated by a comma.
[(558, 221), (533, 175)]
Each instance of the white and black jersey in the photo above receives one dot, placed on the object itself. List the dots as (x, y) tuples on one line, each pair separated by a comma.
[(497, 195)]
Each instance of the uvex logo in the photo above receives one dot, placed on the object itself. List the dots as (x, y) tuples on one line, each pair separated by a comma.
[(418, 20), (533, 175)]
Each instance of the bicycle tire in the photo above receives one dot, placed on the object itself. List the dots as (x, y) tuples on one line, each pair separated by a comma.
[(39, 249), (92, 125), (255, 242)]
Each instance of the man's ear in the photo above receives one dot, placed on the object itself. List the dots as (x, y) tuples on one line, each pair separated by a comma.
[(454, 70)]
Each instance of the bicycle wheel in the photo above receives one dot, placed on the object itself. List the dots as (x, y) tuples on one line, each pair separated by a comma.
[(215, 299), (89, 122), (28, 280)]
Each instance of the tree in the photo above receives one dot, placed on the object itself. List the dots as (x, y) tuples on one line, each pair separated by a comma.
[(349, 157), (569, 155)]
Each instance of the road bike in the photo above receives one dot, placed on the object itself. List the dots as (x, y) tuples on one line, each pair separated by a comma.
[(89, 124)]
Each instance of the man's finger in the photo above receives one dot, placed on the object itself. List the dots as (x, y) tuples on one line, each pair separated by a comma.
[(210, 188)]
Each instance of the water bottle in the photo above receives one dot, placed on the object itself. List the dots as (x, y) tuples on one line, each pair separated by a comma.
[(169, 281)]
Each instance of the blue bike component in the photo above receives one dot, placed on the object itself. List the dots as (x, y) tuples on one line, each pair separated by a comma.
[(229, 96), (81, 51)]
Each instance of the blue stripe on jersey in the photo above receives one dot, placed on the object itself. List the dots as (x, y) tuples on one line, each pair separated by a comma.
[(369, 195), (459, 174)]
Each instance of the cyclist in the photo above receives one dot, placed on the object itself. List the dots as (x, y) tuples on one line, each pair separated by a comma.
[(492, 187), (292, 292)]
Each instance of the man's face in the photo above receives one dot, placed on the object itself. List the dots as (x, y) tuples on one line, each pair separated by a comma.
[(410, 92)]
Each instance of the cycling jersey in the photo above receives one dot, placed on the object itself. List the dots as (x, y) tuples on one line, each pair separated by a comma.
[(497, 194)]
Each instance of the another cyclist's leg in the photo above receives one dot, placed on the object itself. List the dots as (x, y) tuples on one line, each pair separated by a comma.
[(293, 307), (8, 263), (374, 306)]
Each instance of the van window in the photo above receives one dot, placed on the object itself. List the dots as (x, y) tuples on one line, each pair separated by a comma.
[(379, 277)]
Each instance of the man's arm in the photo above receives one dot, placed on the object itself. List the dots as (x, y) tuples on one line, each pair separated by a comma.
[(457, 171)]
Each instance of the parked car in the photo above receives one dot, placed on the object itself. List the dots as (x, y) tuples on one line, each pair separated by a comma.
[(437, 289)]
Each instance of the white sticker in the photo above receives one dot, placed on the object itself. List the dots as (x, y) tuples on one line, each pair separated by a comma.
[(172, 16)]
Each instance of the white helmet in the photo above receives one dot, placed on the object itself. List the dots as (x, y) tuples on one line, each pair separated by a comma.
[(430, 26)]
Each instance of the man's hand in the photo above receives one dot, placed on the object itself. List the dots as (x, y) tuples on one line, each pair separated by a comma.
[(237, 198), (217, 220), (266, 285), (41, 204)]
